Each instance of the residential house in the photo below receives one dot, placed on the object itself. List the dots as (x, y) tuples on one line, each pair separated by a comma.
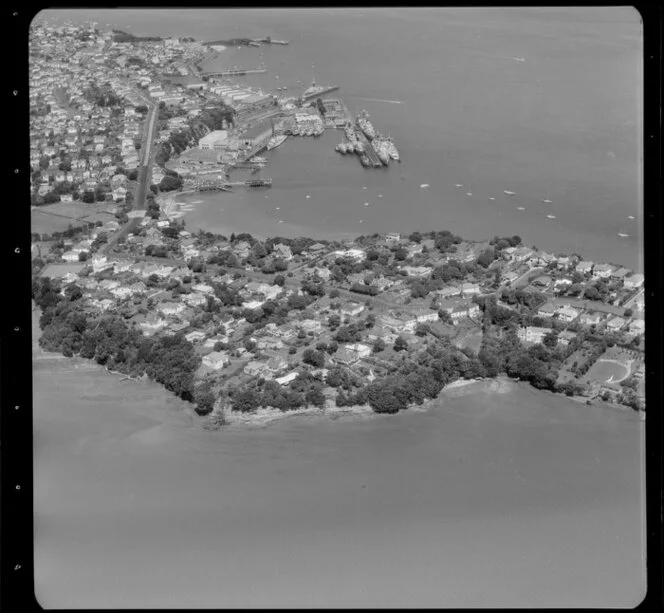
[(635, 281), (532, 334), (311, 325), (344, 356), (276, 363), (637, 327), (620, 273), (566, 337), (584, 267), (470, 289), (381, 283), (446, 292), (393, 236), (216, 360), (255, 368), (458, 312), (546, 310), (352, 308), (602, 271), (510, 277), (589, 319), (563, 262), (360, 349), (195, 336), (417, 271), (425, 315), (171, 308), (291, 376), (283, 251), (269, 343), (615, 323), (567, 313)]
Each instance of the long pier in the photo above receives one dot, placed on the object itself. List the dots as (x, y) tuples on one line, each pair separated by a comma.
[(234, 72)]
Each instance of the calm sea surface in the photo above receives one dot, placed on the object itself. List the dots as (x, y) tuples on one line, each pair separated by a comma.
[(523, 499), (453, 90), (517, 500)]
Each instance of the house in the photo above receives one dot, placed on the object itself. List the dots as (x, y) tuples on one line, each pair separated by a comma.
[(602, 271), (323, 273), (417, 271), (637, 327), (255, 368), (195, 336), (510, 277), (360, 349), (473, 310), (276, 363), (283, 251), (468, 289), (216, 360), (70, 256), (620, 273), (344, 356), (532, 334), (636, 280), (446, 292), (563, 262), (151, 325), (171, 308), (459, 312), (381, 283), (425, 315), (352, 308), (614, 324), (291, 376), (393, 236), (567, 313), (590, 319), (311, 325), (269, 343), (546, 310), (566, 337), (584, 267), (202, 288)]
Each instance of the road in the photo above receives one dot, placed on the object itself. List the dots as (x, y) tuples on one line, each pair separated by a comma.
[(144, 175)]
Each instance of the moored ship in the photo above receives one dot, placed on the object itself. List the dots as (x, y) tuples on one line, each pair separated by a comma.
[(275, 141), (366, 126)]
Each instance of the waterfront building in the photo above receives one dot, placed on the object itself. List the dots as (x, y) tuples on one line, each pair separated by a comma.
[(635, 281), (214, 141)]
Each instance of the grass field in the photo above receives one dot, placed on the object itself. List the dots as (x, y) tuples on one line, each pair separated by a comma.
[(605, 372), (57, 217)]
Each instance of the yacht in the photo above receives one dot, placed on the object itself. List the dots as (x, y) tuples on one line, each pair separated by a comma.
[(275, 141)]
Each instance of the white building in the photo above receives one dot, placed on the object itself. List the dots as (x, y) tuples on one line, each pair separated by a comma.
[(216, 360), (214, 141)]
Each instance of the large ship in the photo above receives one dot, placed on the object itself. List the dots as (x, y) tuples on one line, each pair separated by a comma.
[(365, 125), (380, 146), (317, 90), (275, 141), (392, 150)]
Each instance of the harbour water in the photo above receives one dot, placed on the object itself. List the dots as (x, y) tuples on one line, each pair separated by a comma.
[(520, 499), (545, 103)]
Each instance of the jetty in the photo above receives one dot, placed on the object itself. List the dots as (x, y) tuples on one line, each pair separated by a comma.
[(234, 72)]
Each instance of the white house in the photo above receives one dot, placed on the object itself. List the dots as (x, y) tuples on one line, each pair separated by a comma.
[(636, 280), (567, 313), (532, 334), (291, 376), (615, 323), (584, 267), (216, 360), (352, 308), (361, 350), (425, 315)]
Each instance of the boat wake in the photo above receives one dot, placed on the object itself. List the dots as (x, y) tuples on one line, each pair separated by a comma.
[(381, 100)]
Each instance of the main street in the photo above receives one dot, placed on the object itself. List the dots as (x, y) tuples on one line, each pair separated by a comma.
[(144, 175)]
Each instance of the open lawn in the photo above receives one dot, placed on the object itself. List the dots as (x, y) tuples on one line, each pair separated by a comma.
[(55, 271), (605, 371), (57, 217)]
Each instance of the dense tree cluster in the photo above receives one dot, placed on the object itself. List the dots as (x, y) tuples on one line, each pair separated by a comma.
[(68, 329)]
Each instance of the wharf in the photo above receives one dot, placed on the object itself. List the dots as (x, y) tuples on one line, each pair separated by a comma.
[(235, 72)]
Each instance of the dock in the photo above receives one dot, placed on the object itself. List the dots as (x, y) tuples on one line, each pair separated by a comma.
[(234, 72)]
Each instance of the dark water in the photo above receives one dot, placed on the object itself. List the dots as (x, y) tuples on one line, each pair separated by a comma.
[(564, 125), (522, 499)]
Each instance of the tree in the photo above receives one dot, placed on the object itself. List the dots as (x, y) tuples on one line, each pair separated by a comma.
[(379, 345), (591, 293), (83, 256), (204, 398), (245, 401), (628, 313), (279, 280), (400, 344), (334, 293), (314, 358), (421, 329)]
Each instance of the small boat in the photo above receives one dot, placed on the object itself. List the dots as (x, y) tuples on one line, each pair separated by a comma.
[(623, 235), (350, 148), (281, 221), (276, 208), (366, 204), (361, 220), (630, 217), (342, 148), (423, 185), (469, 193), (364, 187), (547, 201), (520, 208), (551, 216), (308, 196), (508, 193), (491, 198), (458, 185), (380, 195)]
